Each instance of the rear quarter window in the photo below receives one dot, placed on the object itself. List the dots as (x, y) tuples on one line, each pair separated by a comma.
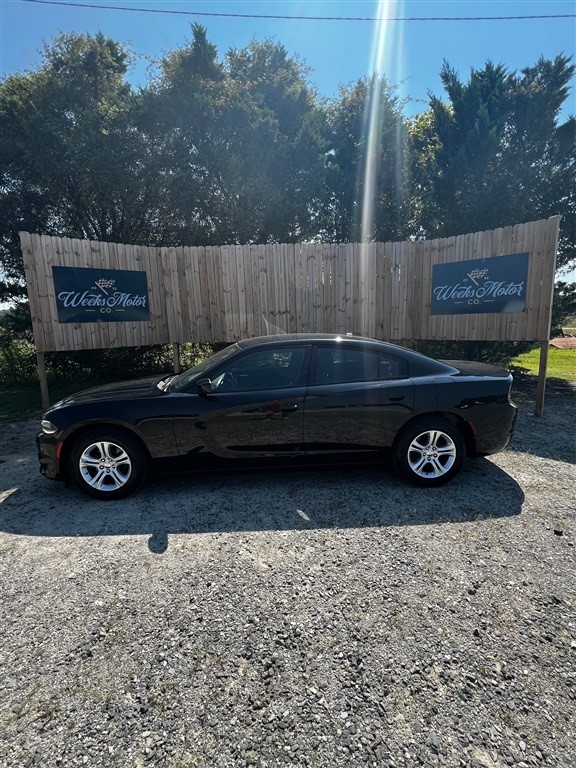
[(341, 365)]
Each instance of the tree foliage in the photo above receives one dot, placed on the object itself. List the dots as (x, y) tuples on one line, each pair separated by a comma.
[(564, 306), (495, 154), (368, 161), (239, 144)]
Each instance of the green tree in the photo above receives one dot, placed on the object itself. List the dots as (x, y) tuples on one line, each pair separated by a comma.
[(496, 153), (564, 306), (367, 137), (239, 143), (285, 161), (179, 114)]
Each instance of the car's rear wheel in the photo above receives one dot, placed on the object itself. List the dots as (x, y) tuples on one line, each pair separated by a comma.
[(429, 452), (107, 463)]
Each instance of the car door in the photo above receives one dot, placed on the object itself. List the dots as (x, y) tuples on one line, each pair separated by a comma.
[(357, 399), (255, 408)]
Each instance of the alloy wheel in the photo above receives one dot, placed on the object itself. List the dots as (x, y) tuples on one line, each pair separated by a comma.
[(105, 466), (431, 454)]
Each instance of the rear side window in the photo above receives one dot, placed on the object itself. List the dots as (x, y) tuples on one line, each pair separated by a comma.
[(342, 365)]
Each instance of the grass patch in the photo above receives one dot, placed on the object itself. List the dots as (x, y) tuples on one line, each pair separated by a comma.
[(561, 363)]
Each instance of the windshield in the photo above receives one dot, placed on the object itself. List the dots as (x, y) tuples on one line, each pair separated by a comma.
[(184, 380)]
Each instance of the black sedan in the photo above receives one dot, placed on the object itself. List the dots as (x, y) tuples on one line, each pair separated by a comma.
[(282, 396)]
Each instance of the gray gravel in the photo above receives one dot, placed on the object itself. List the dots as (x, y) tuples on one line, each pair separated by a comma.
[(323, 618)]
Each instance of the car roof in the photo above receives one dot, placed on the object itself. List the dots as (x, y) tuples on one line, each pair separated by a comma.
[(296, 337)]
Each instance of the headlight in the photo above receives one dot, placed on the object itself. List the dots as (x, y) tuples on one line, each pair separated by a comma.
[(48, 428)]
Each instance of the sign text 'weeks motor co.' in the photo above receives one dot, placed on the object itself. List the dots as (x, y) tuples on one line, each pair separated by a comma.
[(110, 295), (497, 284)]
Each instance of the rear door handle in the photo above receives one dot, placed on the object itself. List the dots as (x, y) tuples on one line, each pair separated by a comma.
[(289, 408), (396, 398)]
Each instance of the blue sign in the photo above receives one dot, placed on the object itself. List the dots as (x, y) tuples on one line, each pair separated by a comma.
[(109, 295), (497, 284)]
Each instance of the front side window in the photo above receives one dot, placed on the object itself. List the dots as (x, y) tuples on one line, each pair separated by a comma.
[(185, 380), (334, 366), (262, 369)]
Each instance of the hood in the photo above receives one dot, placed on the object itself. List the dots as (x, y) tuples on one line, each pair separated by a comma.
[(147, 387)]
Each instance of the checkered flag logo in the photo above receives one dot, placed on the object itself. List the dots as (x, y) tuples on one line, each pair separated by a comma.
[(103, 284), (477, 274)]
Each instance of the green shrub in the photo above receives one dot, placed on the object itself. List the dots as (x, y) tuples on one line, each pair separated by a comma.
[(17, 361)]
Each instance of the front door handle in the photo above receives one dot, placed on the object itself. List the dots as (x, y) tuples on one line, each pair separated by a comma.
[(289, 408)]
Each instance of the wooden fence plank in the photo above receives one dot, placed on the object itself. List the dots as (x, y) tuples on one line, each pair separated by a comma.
[(253, 286), (191, 281), (447, 254), (226, 295), (497, 250), (407, 279), (286, 286), (370, 320), (67, 335), (481, 250), (497, 322), (214, 271), (263, 288), (249, 322), (534, 244), (416, 299), (379, 291), (397, 331), (204, 295), (349, 326), (117, 332), (276, 302), (460, 324), (32, 265), (57, 339), (319, 288), (339, 289), (308, 261)]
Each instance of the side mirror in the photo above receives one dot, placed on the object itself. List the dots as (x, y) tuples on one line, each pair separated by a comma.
[(204, 386)]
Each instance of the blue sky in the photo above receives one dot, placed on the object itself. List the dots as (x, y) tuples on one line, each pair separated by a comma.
[(337, 52)]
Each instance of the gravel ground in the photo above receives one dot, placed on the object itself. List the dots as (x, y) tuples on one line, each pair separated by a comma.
[(323, 618)]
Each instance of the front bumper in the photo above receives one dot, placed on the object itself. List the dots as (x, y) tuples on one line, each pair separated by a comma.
[(48, 457)]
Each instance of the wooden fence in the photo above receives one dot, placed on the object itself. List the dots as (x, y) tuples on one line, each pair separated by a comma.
[(226, 293)]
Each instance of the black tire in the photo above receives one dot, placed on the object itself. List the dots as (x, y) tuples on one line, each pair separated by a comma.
[(107, 463), (429, 452)]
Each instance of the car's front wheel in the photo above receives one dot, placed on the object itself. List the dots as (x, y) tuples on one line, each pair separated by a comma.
[(107, 463), (429, 452)]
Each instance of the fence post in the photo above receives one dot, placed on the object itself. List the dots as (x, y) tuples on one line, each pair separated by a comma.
[(43, 381), (176, 357), (541, 384)]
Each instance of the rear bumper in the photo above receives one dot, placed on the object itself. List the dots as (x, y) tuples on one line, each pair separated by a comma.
[(495, 435)]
